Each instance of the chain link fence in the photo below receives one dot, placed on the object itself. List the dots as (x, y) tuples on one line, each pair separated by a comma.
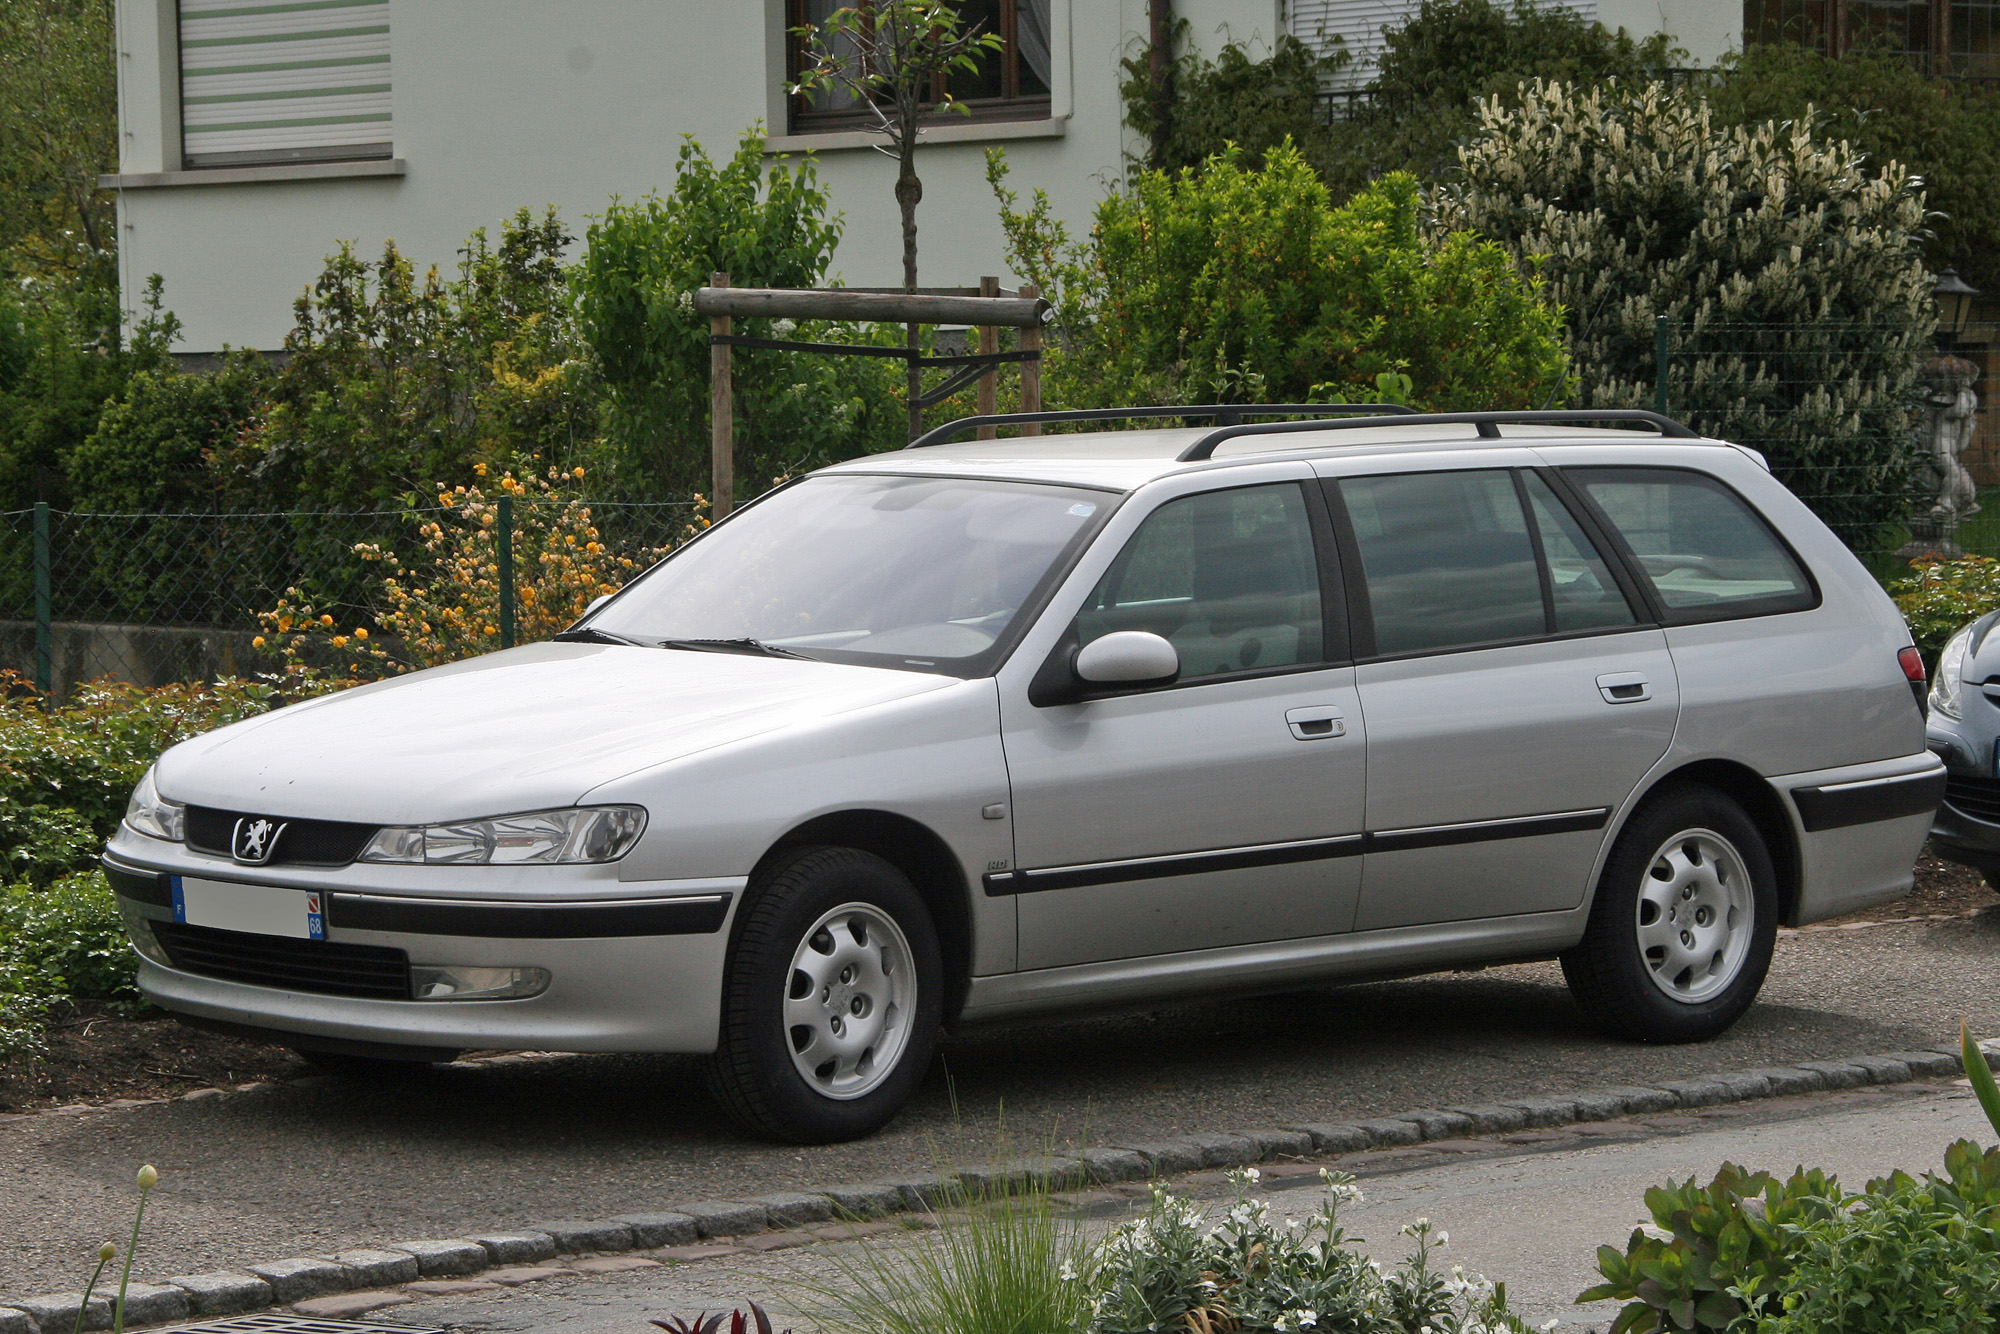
[(1845, 413), (161, 598)]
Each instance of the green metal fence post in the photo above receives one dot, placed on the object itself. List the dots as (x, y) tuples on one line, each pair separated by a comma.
[(506, 536), (1660, 364), (44, 632)]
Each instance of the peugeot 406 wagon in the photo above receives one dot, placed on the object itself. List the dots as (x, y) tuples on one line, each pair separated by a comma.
[(998, 728)]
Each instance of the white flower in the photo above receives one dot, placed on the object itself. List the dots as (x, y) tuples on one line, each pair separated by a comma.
[(1252, 1174), (1067, 1273), (783, 328), (1444, 1239), (1551, 1325), (1309, 1317)]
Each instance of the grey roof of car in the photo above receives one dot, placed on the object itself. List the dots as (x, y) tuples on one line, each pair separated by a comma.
[(1125, 460)]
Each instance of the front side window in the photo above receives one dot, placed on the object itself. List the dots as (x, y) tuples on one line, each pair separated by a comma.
[(1011, 84), (1229, 578), (1705, 552), (266, 83), (924, 574)]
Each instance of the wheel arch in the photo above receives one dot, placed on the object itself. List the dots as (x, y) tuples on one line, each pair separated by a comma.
[(1761, 802), (919, 853)]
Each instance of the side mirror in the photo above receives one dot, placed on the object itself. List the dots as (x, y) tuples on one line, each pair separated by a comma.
[(595, 603), (1128, 658)]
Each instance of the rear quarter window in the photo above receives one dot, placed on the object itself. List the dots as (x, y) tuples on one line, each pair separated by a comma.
[(1700, 547)]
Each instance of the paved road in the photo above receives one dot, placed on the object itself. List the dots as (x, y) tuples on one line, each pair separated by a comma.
[(319, 1165), (1531, 1220)]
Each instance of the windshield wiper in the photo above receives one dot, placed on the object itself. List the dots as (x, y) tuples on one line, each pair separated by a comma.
[(587, 635), (734, 646)]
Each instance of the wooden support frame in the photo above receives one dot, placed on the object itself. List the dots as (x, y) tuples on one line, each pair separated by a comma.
[(989, 312)]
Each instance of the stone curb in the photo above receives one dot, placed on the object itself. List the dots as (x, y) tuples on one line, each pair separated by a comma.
[(359, 1280)]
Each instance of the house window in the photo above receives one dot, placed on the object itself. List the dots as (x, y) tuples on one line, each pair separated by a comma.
[(1942, 36), (1010, 84), (265, 82)]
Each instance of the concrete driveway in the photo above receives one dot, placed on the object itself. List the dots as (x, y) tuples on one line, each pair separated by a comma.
[(316, 1165)]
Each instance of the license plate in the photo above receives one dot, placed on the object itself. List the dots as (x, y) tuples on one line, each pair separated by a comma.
[(258, 909)]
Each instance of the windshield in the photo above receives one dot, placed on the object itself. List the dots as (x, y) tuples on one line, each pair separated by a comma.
[(919, 573)]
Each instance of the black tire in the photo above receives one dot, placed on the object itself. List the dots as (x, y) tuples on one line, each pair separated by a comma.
[(753, 1073), (1621, 989)]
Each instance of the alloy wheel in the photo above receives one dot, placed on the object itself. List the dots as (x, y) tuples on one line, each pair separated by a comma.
[(1696, 915)]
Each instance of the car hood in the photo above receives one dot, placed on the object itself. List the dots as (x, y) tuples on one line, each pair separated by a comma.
[(524, 729)]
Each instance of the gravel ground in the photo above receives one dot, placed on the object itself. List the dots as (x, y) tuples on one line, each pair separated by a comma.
[(318, 1165)]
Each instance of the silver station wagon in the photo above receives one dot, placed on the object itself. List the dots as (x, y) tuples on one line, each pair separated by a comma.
[(986, 728)]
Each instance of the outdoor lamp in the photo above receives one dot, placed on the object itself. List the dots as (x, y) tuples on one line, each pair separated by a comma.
[(1954, 303)]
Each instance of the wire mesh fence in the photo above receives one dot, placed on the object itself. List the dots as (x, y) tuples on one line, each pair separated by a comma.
[(159, 598), (1848, 415)]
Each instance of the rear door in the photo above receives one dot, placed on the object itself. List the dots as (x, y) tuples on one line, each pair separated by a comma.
[(1514, 691)]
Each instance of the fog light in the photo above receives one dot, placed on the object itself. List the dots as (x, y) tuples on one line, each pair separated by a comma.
[(437, 982), (140, 930)]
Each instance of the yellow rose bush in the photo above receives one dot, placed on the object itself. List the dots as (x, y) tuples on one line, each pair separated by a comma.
[(444, 604)]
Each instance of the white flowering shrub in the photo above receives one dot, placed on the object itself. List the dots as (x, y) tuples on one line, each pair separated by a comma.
[(1175, 1270)]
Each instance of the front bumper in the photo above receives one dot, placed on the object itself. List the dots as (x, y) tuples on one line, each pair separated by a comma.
[(633, 966), (1967, 827)]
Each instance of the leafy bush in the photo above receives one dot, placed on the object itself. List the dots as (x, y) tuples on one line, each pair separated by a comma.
[(150, 451), (636, 286), (1939, 596), (69, 939), (444, 604), (1786, 1257), (62, 942), (1946, 131), (1252, 104), (67, 770), (394, 379), (1174, 1271), (1422, 103), (1787, 263), (1248, 286)]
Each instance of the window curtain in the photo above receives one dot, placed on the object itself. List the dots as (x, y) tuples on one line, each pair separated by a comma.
[(1031, 35)]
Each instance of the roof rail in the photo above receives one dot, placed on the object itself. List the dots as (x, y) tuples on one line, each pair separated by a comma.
[(1228, 414), (1489, 424)]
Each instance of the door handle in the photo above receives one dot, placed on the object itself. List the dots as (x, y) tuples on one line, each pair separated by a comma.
[(1316, 722), (1624, 687)]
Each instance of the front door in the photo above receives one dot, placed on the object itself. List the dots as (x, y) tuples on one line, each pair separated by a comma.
[(1221, 810), (1514, 699)]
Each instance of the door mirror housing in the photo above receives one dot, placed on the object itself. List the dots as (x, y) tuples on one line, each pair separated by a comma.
[(595, 603), (1127, 658)]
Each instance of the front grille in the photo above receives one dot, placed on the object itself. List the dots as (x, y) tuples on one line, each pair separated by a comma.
[(304, 842), (1976, 797), (291, 965)]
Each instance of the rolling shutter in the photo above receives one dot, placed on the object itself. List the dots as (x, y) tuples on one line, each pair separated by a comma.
[(1360, 24), (266, 81)]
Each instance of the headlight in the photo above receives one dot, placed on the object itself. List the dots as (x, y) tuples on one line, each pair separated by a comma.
[(1947, 691), (154, 816), (580, 834)]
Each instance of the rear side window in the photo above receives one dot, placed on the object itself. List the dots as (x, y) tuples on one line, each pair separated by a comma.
[(1705, 552), (1583, 595), (1447, 559), (1230, 578)]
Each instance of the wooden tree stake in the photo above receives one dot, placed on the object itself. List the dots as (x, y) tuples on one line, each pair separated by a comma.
[(721, 416), (1031, 371), (989, 343)]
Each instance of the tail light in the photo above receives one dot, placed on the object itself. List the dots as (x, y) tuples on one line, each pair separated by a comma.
[(1912, 663)]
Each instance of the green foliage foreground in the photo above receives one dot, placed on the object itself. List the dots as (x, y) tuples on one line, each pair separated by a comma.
[(1238, 284)]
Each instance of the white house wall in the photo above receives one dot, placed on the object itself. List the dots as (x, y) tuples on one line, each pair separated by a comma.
[(505, 103)]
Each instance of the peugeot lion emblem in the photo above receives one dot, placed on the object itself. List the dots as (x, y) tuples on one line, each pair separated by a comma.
[(255, 840)]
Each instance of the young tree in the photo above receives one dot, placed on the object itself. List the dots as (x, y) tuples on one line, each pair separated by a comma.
[(896, 59)]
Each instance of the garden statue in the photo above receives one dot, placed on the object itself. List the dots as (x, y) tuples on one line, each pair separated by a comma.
[(1950, 417)]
